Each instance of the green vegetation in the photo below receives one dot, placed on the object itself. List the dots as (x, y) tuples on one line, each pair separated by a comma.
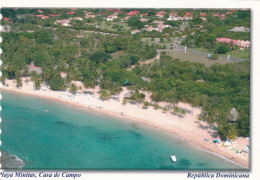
[(223, 87), (217, 28), (98, 59), (73, 88), (214, 57)]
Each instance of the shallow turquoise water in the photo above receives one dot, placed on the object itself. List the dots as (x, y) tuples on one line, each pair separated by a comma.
[(66, 137)]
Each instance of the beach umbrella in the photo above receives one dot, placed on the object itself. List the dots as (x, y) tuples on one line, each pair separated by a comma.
[(219, 138), (126, 82), (246, 149), (227, 143), (216, 141)]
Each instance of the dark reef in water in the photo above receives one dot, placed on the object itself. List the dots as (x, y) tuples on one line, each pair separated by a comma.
[(62, 123), (9, 161)]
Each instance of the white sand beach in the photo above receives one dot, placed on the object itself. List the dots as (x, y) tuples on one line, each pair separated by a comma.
[(187, 127)]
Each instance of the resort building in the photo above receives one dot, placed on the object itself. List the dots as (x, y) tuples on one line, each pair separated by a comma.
[(159, 27), (203, 14), (133, 13), (240, 29), (135, 31), (175, 17), (32, 68), (242, 44), (63, 22), (54, 15), (111, 17), (144, 15), (71, 12), (90, 16), (42, 16), (144, 19)]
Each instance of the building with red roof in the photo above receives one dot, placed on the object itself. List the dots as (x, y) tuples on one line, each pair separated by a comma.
[(203, 14), (63, 22), (39, 15), (229, 13), (6, 19), (133, 13), (88, 13), (71, 12), (42, 16), (159, 15), (242, 44), (162, 12), (54, 15), (145, 14), (32, 68), (102, 13), (188, 13), (40, 11), (111, 9)]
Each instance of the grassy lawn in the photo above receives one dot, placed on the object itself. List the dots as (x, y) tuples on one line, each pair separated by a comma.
[(122, 25), (202, 50), (149, 40), (242, 54), (157, 41), (168, 41), (195, 57)]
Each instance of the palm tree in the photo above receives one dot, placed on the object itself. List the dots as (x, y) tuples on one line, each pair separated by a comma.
[(26, 71)]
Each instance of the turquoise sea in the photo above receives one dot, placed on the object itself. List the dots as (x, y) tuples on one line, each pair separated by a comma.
[(67, 137)]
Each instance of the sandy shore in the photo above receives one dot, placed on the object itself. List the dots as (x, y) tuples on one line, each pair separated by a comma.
[(188, 127)]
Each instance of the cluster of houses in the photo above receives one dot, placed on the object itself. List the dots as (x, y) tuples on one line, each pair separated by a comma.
[(112, 14), (159, 27), (240, 43), (42, 16), (175, 17), (65, 22)]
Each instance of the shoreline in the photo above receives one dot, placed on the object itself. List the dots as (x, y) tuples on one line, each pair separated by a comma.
[(175, 127)]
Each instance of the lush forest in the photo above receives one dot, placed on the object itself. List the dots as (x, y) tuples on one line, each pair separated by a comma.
[(217, 89)]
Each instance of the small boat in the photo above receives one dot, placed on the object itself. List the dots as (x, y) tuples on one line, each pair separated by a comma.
[(46, 110), (173, 157)]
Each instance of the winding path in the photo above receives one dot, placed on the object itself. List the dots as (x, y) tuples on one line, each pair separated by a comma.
[(147, 61)]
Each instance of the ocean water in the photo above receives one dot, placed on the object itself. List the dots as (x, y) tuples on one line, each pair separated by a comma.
[(66, 137)]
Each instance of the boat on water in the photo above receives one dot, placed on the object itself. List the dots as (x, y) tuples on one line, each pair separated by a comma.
[(173, 157)]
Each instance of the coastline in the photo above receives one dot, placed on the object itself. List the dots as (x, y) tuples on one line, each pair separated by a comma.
[(189, 128)]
